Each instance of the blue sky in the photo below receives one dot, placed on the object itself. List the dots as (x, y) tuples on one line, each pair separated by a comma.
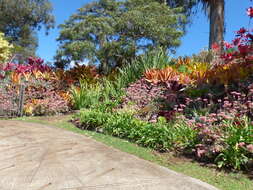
[(195, 40)]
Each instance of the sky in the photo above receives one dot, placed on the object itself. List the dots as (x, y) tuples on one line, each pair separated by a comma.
[(195, 40)]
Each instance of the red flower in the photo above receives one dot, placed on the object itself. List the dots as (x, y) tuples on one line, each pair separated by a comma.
[(241, 31), (236, 41), (243, 49), (215, 46), (250, 12), (9, 67)]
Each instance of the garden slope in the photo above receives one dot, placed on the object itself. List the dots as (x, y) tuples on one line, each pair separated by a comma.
[(35, 156)]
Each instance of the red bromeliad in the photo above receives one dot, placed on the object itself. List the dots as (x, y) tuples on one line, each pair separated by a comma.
[(33, 64)]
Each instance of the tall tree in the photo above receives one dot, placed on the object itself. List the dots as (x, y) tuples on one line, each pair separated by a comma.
[(213, 8), (215, 11), (112, 33), (20, 19)]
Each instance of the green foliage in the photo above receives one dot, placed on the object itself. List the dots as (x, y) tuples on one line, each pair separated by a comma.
[(132, 72), (21, 18), (237, 139), (160, 136), (93, 120), (103, 94), (86, 95), (109, 91), (113, 33)]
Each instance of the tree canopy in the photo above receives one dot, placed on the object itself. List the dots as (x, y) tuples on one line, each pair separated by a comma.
[(111, 33), (20, 19)]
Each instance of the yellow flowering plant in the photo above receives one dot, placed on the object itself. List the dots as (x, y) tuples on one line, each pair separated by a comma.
[(5, 49)]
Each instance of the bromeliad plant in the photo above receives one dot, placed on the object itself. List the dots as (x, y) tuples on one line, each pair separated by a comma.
[(44, 93), (79, 72), (165, 75), (34, 67)]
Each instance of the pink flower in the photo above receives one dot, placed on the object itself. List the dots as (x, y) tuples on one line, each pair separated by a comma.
[(200, 125), (250, 147), (212, 115), (250, 12), (201, 152), (241, 144), (180, 110), (202, 118)]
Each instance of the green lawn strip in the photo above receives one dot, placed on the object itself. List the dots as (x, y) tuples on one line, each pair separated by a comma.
[(222, 180)]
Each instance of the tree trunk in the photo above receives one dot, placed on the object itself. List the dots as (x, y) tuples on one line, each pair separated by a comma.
[(216, 34)]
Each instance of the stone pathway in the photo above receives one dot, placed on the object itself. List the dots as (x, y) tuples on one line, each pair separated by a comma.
[(39, 157)]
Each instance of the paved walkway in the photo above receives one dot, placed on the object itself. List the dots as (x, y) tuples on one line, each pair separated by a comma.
[(39, 157)]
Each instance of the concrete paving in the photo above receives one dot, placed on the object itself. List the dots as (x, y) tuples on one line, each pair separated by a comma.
[(39, 157)]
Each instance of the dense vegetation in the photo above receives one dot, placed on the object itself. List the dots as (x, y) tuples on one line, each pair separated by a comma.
[(199, 106)]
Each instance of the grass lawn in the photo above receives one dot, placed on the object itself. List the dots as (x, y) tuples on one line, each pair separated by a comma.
[(220, 179)]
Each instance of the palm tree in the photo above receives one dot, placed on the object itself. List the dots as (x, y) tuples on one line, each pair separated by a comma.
[(215, 11)]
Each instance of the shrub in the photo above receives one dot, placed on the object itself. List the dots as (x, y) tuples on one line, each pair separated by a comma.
[(167, 74), (238, 144), (154, 99), (44, 98), (133, 72), (143, 93), (86, 95), (95, 95), (8, 98), (5, 50), (32, 64), (44, 94), (228, 145), (161, 136), (108, 89), (50, 105), (79, 72)]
